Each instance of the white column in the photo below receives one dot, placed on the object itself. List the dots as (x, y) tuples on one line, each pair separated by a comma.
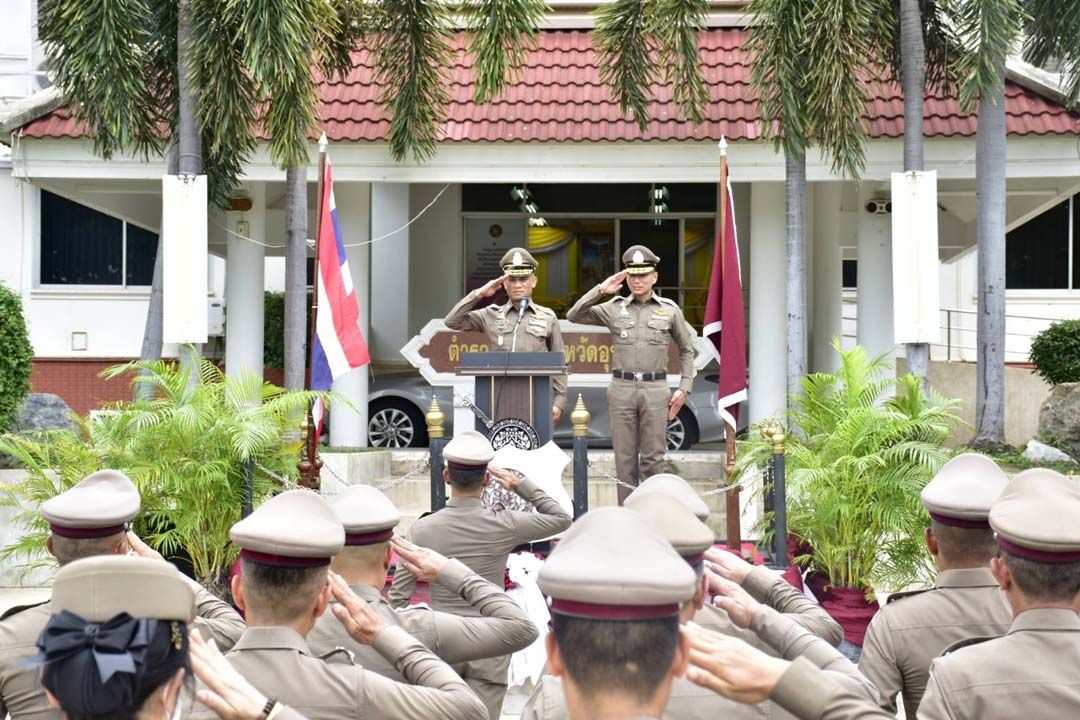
[(348, 428), (828, 292), (390, 271), (874, 239), (244, 273), (768, 315)]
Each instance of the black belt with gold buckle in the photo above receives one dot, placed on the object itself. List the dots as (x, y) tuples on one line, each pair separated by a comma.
[(624, 375)]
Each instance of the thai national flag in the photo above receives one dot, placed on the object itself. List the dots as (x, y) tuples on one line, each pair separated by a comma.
[(339, 344)]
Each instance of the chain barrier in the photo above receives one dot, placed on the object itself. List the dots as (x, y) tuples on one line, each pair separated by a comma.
[(291, 485), (741, 485)]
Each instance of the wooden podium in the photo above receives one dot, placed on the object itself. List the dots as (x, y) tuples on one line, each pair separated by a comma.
[(514, 385)]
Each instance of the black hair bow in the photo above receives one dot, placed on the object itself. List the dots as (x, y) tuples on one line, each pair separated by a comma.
[(117, 645)]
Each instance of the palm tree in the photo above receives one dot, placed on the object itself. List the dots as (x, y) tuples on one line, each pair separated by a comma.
[(810, 57), (135, 78), (992, 29)]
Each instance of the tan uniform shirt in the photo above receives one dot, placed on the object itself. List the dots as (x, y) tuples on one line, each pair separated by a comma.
[(809, 694), (539, 331), (278, 662), (906, 635), (503, 627), (688, 701), (640, 331), (1032, 672), (21, 693), (480, 538)]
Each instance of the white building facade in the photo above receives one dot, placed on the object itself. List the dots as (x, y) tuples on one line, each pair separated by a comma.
[(80, 233)]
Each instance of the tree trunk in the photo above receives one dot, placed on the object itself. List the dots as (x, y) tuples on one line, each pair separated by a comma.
[(188, 140), (795, 186), (990, 159), (296, 307), (152, 331), (913, 58)]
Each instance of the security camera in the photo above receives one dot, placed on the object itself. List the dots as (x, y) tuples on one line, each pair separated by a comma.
[(879, 206)]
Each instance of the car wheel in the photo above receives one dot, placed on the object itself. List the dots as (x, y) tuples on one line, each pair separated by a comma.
[(682, 432), (396, 423)]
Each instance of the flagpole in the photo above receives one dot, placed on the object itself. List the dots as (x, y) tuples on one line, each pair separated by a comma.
[(310, 463), (734, 525)]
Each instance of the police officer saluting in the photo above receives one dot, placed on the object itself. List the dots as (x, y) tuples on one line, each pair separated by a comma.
[(642, 326), (520, 324)]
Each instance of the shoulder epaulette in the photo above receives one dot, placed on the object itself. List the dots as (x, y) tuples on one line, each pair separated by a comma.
[(906, 594), (966, 642), (339, 655), (543, 310), (11, 612), (666, 301)]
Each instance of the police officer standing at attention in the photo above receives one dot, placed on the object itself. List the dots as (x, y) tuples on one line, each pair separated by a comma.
[(642, 326), (915, 627), (519, 325)]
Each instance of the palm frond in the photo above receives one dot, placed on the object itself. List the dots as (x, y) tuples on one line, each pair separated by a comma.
[(626, 52), (500, 34)]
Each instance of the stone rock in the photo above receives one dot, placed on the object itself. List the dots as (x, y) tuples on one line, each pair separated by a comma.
[(1059, 417), (43, 411), (1038, 452)]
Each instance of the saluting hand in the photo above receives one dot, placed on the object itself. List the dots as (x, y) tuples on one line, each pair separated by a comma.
[(142, 549), (360, 621), (730, 667), (727, 565), (509, 479), (613, 283), (492, 287), (422, 562), (732, 599), (227, 692)]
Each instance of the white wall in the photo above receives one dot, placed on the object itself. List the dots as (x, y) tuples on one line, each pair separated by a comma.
[(12, 239), (20, 53), (437, 257)]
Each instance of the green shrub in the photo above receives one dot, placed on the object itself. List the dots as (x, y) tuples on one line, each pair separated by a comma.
[(274, 328), (16, 356), (856, 463), (1056, 352), (186, 451)]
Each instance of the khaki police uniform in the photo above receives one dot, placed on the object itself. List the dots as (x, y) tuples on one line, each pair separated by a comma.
[(481, 539), (638, 395), (617, 564), (298, 528), (1031, 672), (537, 331), (914, 628), (775, 631), (501, 627), (99, 505)]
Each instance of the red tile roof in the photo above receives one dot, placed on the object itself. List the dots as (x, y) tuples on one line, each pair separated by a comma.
[(559, 98)]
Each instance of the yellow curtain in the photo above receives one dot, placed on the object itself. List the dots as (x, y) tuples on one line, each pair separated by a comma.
[(543, 240)]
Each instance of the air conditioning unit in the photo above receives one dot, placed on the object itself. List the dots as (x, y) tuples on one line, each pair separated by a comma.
[(879, 206), (215, 326)]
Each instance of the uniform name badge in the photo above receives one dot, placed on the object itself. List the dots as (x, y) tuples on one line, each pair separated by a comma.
[(500, 341)]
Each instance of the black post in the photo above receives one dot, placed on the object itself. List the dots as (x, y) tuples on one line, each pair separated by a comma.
[(249, 487), (780, 554), (579, 420), (436, 442)]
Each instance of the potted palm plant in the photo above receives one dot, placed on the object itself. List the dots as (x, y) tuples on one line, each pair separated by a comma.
[(857, 458), (188, 450)]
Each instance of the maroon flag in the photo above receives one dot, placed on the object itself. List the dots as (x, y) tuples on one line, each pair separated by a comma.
[(725, 325)]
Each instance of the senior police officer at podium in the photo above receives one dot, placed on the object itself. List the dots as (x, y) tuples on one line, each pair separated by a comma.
[(519, 325), (642, 325)]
